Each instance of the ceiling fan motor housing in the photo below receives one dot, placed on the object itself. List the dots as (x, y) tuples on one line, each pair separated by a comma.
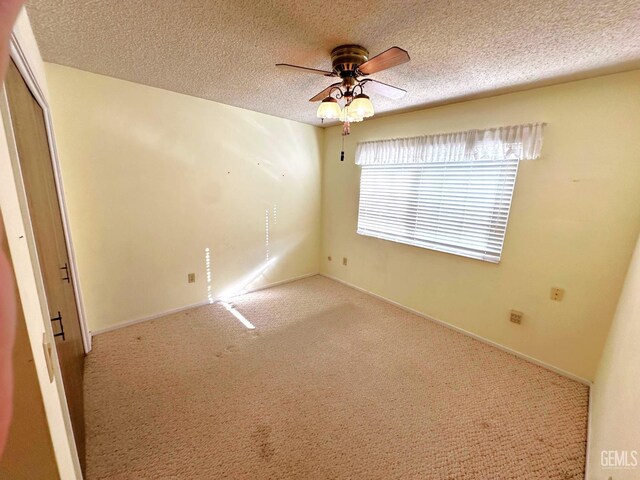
[(346, 59)]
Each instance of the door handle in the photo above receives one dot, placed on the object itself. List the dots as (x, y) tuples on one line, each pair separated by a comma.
[(46, 345), (61, 332), (66, 272)]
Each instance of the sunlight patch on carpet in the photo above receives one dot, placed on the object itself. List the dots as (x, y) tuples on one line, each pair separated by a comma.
[(231, 309)]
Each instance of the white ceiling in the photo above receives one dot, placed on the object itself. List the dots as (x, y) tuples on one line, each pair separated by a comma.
[(226, 50)]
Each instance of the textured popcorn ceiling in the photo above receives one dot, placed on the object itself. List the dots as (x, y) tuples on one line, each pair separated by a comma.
[(226, 50)]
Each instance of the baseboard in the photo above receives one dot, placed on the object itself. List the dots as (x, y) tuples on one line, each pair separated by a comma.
[(589, 424), (524, 356), (275, 284), (128, 323)]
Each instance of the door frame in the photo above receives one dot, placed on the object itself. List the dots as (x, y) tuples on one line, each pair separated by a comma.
[(38, 91), (25, 53)]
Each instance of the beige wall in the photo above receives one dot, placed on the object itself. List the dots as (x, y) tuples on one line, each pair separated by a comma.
[(573, 224), (153, 178), (615, 407)]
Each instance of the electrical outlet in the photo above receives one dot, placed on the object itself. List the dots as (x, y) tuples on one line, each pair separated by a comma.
[(191, 278), (516, 317), (344, 260), (557, 294), (329, 258)]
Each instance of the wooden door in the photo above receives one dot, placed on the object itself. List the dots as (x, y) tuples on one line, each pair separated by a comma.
[(27, 120), (29, 451)]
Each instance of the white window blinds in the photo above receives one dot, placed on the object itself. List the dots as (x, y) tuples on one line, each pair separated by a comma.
[(450, 193)]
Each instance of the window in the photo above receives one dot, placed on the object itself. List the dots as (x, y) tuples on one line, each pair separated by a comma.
[(459, 207), (450, 193)]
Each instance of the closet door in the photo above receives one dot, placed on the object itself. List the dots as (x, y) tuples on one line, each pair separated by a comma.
[(29, 450), (27, 121)]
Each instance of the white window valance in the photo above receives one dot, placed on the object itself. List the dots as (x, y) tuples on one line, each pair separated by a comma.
[(516, 142)]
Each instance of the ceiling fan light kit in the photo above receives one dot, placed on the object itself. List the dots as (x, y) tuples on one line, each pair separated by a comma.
[(362, 106), (351, 63), (329, 108)]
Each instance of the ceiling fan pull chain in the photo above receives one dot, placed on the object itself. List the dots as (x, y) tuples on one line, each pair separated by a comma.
[(346, 129)]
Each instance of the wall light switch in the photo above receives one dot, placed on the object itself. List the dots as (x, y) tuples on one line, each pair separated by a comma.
[(344, 260), (191, 278), (557, 294)]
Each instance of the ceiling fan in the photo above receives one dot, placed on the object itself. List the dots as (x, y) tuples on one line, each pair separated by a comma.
[(351, 63)]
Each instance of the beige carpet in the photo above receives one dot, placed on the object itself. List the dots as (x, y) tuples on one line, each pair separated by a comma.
[(332, 383)]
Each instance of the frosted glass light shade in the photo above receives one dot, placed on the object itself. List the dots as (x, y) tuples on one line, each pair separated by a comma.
[(362, 106), (329, 109), (348, 115)]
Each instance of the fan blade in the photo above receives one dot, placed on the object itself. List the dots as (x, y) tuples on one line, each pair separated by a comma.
[(324, 93), (326, 73), (387, 59), (384, 89)]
